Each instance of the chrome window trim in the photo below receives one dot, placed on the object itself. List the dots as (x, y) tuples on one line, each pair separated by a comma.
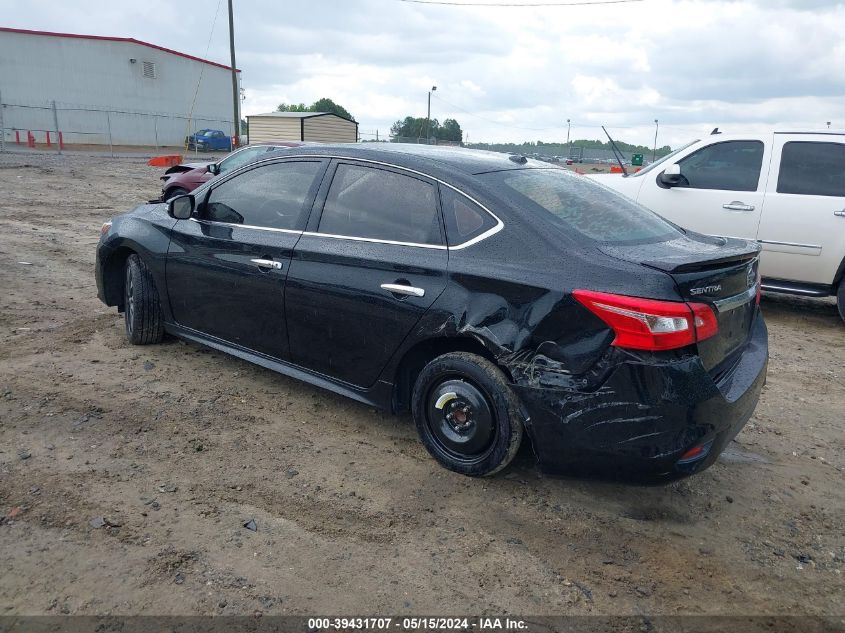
[(478, 238), (246, 226), (439, 247)]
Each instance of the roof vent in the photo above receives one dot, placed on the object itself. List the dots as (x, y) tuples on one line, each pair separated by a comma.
[(519, 159), (150, 70)]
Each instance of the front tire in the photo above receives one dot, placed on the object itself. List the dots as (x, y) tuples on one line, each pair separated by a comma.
[(840, 298), (176, 191), (466, 414), (141, 304)]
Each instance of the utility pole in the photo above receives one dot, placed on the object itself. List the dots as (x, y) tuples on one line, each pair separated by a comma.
[(654, 153), (236, 118), (428, 116)]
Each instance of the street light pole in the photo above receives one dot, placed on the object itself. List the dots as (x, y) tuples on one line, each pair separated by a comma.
[(568, 127), (656, 128), (236, 119), (428, 116)]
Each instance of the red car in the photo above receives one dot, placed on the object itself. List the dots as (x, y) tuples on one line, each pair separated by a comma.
[(184, 178)]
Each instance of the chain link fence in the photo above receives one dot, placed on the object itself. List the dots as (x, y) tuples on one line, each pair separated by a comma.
[(57, 124)]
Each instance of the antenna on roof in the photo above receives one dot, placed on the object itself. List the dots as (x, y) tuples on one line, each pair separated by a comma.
[(715, 131), (616, 153)]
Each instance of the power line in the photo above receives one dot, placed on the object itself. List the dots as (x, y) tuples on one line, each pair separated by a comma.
[(579, 3)]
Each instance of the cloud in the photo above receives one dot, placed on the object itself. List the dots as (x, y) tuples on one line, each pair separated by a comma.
[(513, 74)]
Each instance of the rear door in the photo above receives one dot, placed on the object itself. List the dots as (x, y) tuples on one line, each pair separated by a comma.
[(226, 267), (803, 228), (722, 190), (372, 262)]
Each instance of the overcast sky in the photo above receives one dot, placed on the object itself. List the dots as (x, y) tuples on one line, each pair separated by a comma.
[(509, 73)]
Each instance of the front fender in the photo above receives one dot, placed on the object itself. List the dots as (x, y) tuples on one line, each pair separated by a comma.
[(144, 231)]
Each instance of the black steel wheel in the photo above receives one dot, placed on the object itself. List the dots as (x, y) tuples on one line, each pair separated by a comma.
[(141, 306), (466, 413)]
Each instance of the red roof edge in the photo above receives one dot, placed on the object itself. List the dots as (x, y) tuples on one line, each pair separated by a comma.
[(131, 40)]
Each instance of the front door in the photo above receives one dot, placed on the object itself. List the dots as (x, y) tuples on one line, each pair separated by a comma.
[(721, 192), (226, 267), (372, 263)]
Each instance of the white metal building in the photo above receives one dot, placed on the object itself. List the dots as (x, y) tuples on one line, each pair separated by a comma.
[(320, 127), (139, 93)]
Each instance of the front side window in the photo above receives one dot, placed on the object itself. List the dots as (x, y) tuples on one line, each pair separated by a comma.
[(271, 196), (380, 204), (812, 169), (580, 207), (240, 158), (728, 166)]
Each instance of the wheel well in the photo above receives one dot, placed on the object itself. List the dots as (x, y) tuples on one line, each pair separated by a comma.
[(421, 354), (839, 277), (113, 276)]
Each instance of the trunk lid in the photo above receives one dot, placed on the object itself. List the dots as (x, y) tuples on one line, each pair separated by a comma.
[(720, 272)]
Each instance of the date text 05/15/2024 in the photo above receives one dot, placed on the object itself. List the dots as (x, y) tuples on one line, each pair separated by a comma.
[(417, 624)]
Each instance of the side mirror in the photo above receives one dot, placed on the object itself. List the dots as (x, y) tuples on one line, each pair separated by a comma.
[(213, 168), (181, 207), (671, 176)]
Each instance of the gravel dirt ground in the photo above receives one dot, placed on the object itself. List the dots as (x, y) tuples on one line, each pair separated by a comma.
[(127, 473)]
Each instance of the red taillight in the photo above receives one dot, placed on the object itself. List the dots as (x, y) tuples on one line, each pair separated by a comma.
[(649, 324), (759, 286), (105, 228)]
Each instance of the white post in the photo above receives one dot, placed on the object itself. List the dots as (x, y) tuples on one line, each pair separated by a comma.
[(2, 128), (108, 123), (56, 126)]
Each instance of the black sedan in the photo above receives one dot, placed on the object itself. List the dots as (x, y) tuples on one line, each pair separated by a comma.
[(492, 296)]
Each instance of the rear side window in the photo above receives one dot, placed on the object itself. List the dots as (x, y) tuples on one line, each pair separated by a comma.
[(271, 196), (812, 169), (379, 204), (581, 207), (464, 219), (729, 166)]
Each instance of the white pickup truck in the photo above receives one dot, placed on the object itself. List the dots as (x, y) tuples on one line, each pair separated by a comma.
[(784, 189)]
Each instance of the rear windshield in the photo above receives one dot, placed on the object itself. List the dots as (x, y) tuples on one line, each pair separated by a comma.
[(582, 207)]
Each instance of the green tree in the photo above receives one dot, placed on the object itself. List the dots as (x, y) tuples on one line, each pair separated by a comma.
[(320, 105), (327, 105), (410, 127), (415, 128), (292, 107), (450, 131)]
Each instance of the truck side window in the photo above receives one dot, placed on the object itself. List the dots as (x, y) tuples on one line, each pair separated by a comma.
[(812, 169), (729, 166)]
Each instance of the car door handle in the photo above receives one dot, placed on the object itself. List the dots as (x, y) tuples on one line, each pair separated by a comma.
[(267, 263), (841, 213), (736, 205), (402, 289)]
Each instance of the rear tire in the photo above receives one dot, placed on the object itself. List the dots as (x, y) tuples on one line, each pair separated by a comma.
[(141, 304), (840, 298), (466, 414)]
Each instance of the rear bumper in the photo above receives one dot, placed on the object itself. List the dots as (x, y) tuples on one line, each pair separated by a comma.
[(645, 417)]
